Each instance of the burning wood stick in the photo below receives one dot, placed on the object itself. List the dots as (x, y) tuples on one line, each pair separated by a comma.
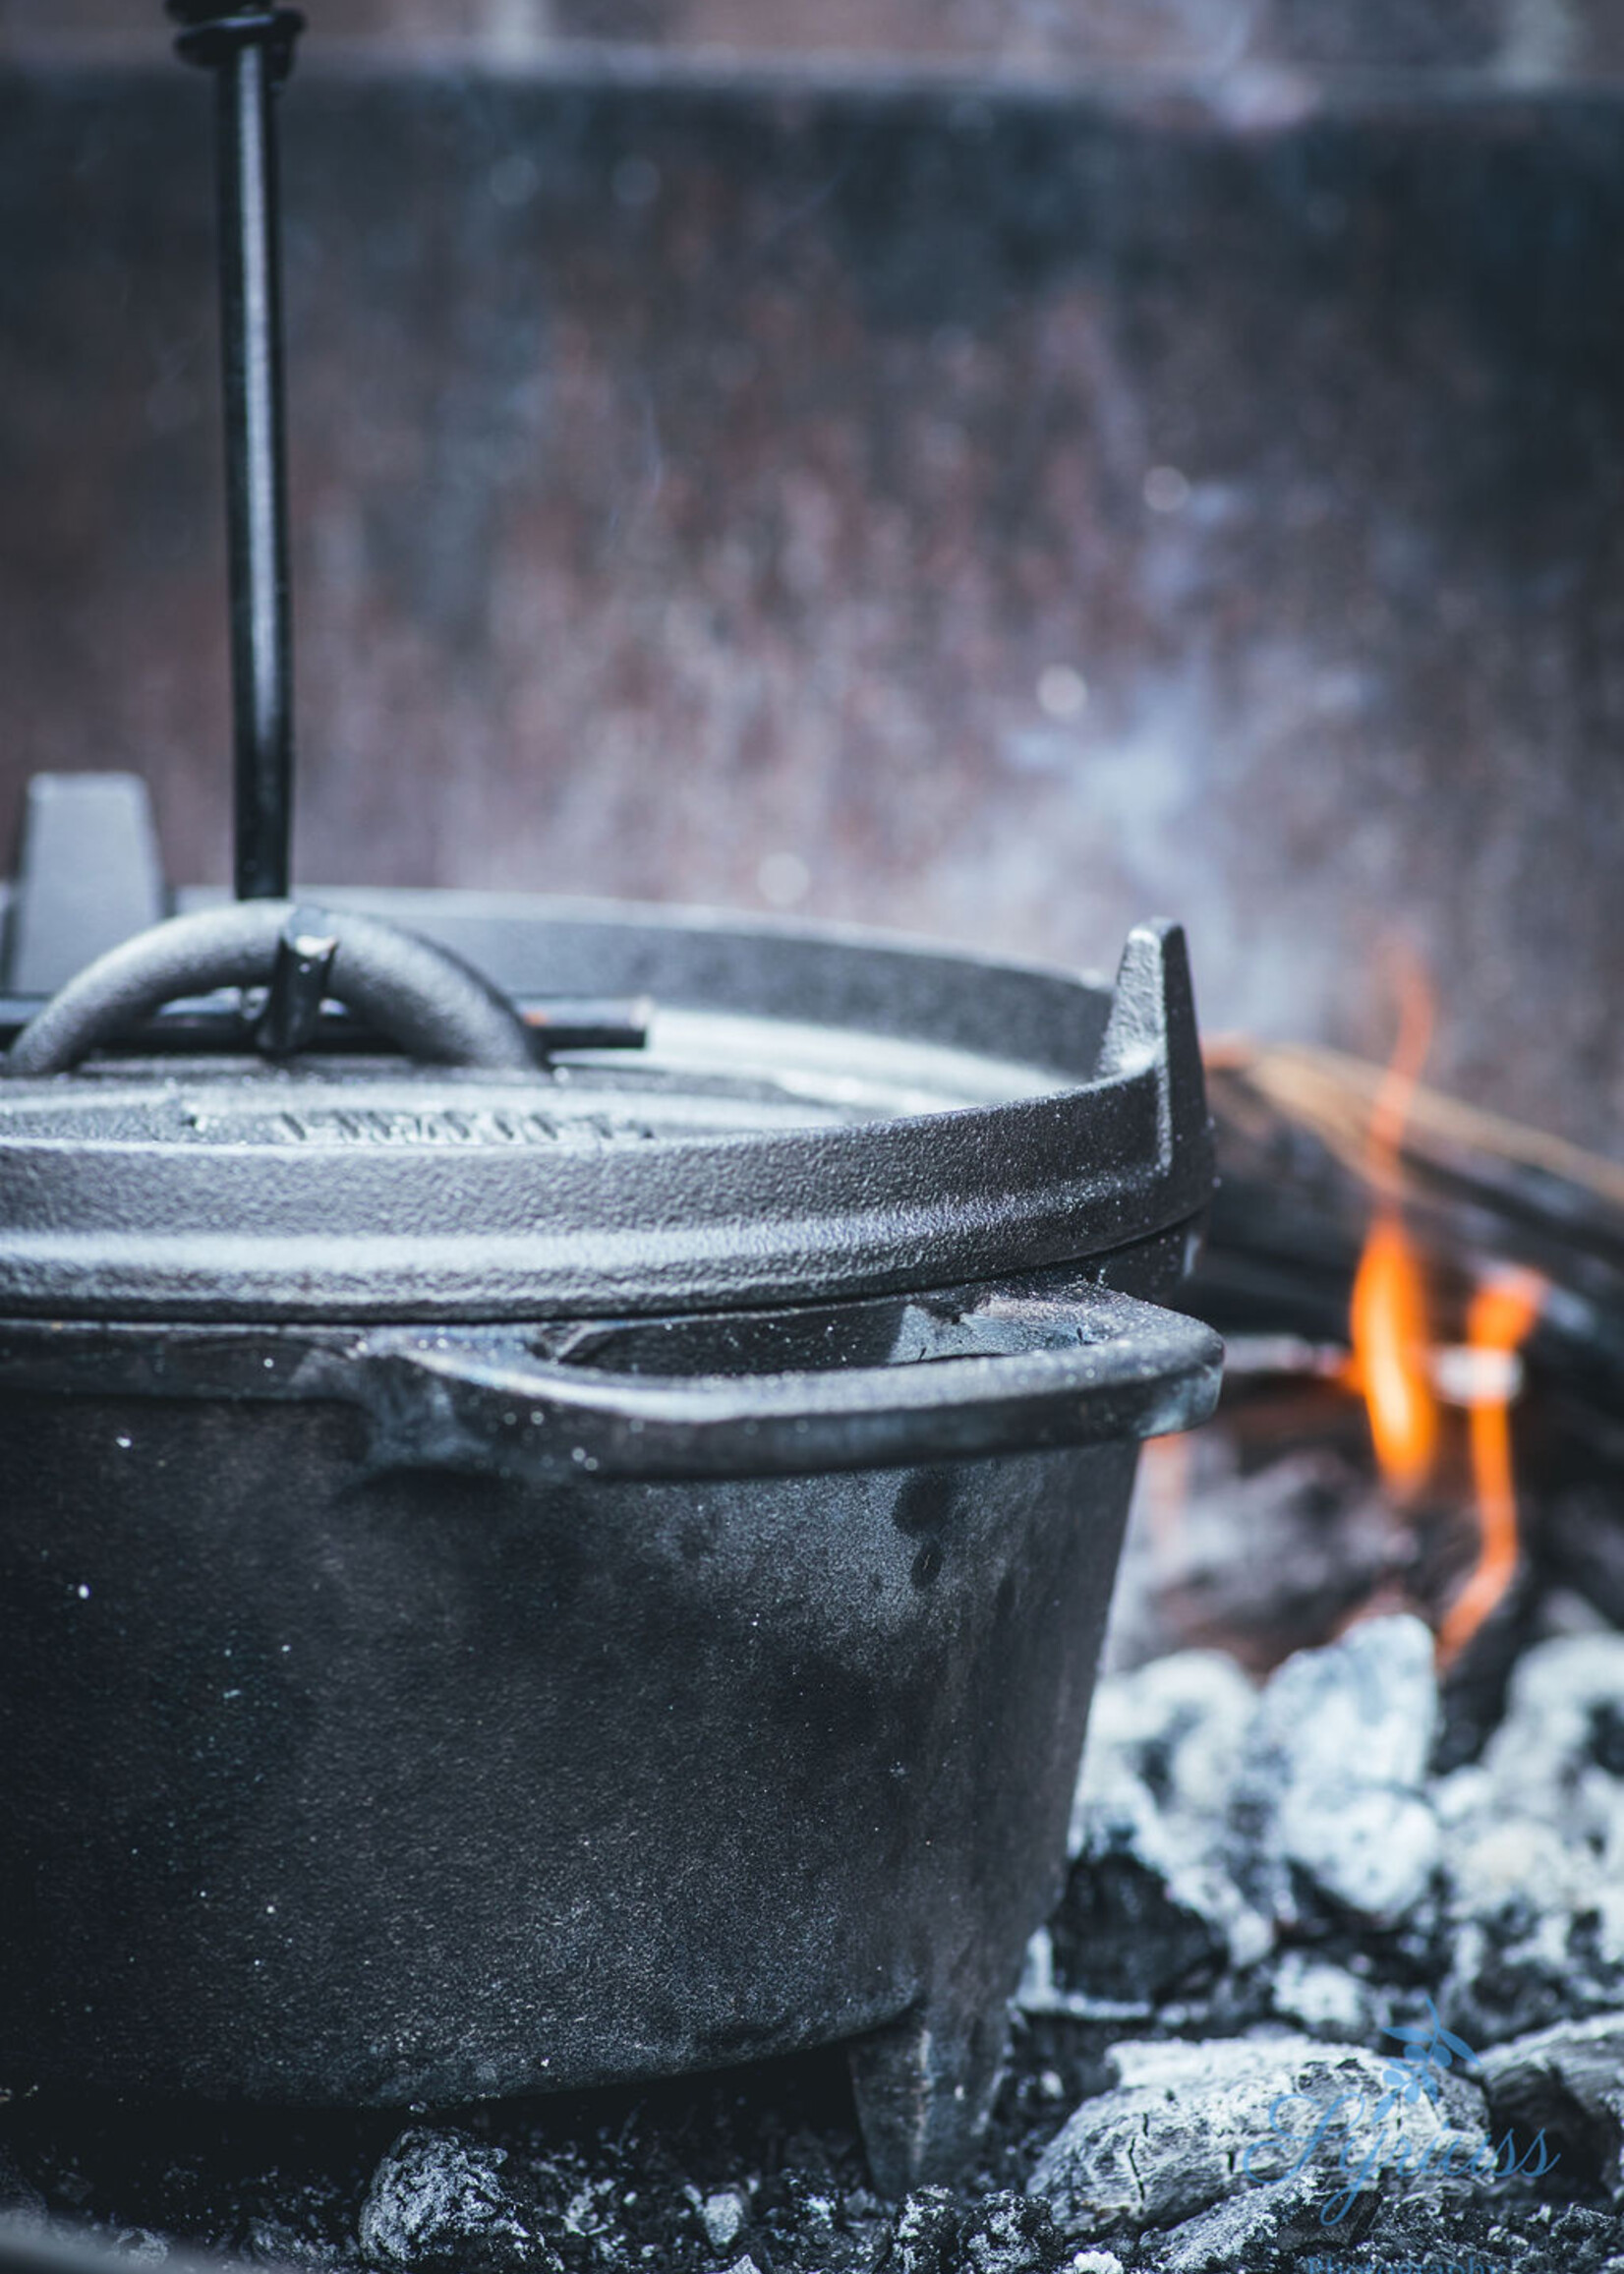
[(1442, 1241), (1477, 1192)]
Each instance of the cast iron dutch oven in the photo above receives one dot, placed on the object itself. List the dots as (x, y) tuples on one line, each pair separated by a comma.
[(525, 1571), (526, 1565)]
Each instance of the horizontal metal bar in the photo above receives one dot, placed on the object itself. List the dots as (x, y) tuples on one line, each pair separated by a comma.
[(217, 1024)]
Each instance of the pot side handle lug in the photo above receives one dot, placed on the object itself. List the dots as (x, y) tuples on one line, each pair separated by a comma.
[(1093, 1367)]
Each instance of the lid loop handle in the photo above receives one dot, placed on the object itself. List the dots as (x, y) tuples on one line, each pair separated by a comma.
[(429, 1003)]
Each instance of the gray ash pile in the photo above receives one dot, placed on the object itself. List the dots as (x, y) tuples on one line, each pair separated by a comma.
[(1358, 2009), (1311, 1999)]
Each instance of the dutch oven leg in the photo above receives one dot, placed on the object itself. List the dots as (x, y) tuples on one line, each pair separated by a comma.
[(923, 2086)]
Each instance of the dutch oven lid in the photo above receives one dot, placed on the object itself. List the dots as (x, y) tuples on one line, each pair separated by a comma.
[(814, 1116)]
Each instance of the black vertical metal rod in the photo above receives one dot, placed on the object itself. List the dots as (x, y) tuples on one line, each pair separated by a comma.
[(250, 50)]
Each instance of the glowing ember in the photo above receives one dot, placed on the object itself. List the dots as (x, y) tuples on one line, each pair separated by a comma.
[(1503, 1313)]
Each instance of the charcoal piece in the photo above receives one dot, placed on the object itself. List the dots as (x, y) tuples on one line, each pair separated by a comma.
[(1009, 2233), (1257, 1564), (1578, 2238), (1533, 1861), (925, 2237), (1535, 1953), (1559, 1756), (1504, 2235), (1567, 2082), (1258, 2230), (802, 2219), (1004, 2233), (1132, 1927), (1294, 1201), (585, 2204), (281, 2243), (1472, 1689), (285, 2245), (1329, 1818), (1190, 2127), (446, 2203)]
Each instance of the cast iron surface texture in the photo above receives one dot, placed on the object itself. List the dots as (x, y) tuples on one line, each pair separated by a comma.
[(1054, 1359), (818, 1117), (376, 1785)]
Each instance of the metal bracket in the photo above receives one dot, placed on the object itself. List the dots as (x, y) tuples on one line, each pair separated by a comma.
[(299, 985), (87, 876), (214, 34)]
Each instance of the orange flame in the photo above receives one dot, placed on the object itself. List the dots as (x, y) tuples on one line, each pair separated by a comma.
[(1504, 1311), (1388, 1320), (1395, 1364), (1388, 1324)]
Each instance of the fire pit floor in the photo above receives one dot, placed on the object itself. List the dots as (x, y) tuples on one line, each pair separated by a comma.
[(1310, 2001)]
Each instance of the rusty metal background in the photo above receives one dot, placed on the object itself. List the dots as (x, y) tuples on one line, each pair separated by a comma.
[(1513, 38), (1001, 514)]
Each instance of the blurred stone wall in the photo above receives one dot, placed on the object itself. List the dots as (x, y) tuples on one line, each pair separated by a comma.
[(1001, 513)]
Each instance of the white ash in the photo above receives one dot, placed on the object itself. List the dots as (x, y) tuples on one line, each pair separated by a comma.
[(723, 2216), (1539, 1930), (1327, 2000), (1535, 1852), (1373, 1892), (1151, 1907), (1006, 2233), (446, 2204), (1558, 1755), (1294, 1857), (1171, 1729), (1328, 1810)]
